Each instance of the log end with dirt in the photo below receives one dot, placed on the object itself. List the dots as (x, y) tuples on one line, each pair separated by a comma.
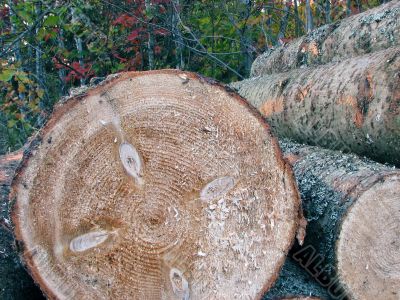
[(369, 243), (155, 185), (353, 211)]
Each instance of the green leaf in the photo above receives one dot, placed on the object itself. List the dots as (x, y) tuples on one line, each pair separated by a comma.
[(26, 16), (51, 21), (11, 123), (41, 34), (40, 93), (6, 75)]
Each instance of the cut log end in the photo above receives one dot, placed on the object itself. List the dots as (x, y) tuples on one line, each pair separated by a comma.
[(185, 196), (369, 243)]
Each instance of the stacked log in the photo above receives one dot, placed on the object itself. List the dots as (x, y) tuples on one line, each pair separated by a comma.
[(352, 207), (352, 106), (155, 185), (374, 30)]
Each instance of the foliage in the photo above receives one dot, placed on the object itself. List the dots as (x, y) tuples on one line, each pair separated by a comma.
[(47, 47)]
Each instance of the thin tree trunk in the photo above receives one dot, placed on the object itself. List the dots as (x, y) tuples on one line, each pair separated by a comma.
[(350, 37), (79, 48), (38, 60), (284, 21), (241, 33), (17, 48), (328, 18), (40, 75), (350, 106), (309, 17), (270, 4), (212, 16), (61, 71), (177, 34), (348, 8), (296, 19), (150, 42)]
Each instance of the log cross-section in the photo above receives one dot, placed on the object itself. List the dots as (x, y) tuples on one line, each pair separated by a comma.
[(153, 187)]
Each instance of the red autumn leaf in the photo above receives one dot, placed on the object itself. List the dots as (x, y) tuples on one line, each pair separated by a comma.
[(125, 20), (135, 34), (4, 12), (157, 49), (161, 1), (121, 59), (47, 37), (161, 31)]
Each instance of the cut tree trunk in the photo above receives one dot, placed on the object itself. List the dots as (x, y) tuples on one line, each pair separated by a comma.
[(352, 105), (374, 30), (155, 185), (352, 206), (294, 282), (15, 283)]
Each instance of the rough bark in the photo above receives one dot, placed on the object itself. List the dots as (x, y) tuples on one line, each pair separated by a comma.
[(15, 283), (351, 106), (295, 283), (353, 211), (155, 185), (373, 30)]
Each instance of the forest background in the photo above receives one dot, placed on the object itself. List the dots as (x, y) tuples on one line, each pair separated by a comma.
[(49, 47)]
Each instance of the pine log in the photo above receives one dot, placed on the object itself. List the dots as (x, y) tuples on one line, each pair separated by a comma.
[(294, 282), (15, 283), (352, 206), (374, 30), (155, 185), (351, 106)]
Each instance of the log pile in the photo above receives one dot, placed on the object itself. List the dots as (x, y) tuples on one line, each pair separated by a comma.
[(166, 185), (352, 105), (375, 30), (339, 88)]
